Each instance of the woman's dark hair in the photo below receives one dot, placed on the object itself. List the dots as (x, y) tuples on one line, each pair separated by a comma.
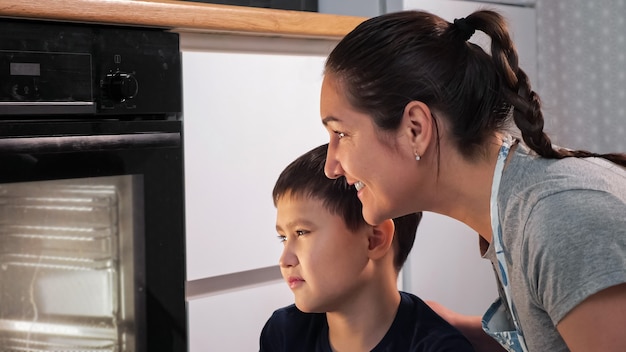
[(305, 178), (390, 60)]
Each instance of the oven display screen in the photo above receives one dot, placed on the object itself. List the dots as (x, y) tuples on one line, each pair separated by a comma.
[(24, 69)]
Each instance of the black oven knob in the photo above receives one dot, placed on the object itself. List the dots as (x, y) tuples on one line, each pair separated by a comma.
[(120, 86)]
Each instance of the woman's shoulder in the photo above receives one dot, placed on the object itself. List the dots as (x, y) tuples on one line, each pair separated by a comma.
[(553, 208), (529, 178)]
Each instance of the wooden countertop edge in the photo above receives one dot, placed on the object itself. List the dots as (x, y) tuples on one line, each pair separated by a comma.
[(185, 16)]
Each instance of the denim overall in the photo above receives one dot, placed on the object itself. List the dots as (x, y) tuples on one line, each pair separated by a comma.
[(497, 322)]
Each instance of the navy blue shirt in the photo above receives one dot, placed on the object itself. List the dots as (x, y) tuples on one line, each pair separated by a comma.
[(416, 328)]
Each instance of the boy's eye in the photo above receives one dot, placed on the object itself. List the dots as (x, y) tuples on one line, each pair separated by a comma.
[(340, 134), (298, 233)]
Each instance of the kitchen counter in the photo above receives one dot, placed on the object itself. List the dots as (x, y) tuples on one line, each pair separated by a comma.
[(185, 16)]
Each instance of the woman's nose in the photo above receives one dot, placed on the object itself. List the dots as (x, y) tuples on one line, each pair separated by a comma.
[(332, 168)]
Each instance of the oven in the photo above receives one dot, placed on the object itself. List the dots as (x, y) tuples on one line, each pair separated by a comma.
[(91, 189)]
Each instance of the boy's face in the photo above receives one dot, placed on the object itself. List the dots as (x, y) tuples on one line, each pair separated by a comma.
[(324, 263)]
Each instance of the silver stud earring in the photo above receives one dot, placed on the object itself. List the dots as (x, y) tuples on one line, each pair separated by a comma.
[(417, 157)]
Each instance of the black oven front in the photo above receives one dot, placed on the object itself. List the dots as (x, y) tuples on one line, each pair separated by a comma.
[(91, 189)]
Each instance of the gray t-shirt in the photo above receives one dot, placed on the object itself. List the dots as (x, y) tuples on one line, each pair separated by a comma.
[(564, 235)]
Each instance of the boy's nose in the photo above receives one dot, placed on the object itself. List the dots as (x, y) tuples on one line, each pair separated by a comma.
[(287, 258)]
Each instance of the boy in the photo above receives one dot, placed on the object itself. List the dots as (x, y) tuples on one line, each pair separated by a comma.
[(343, 272)]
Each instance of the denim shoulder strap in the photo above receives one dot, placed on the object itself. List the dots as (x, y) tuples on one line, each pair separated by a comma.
[(497, 233)]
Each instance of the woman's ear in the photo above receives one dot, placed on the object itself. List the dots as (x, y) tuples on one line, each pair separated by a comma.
[(418, 123), (381, 239)]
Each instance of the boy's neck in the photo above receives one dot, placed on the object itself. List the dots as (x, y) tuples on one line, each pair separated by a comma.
[(364, 321)]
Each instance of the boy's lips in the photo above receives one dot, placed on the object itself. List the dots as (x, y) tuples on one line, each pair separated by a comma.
[(294, 281)]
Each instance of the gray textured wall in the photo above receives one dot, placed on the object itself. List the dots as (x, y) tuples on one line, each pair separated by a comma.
[(581, 48)]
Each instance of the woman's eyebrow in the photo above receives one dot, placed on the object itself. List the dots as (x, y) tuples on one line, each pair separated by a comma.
[(328, 119)]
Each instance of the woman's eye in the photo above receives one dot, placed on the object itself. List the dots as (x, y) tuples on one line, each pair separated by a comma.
[(281, 238), (301, 232), (339, 135)]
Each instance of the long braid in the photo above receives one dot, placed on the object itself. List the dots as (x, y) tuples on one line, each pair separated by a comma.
[(526, 103)]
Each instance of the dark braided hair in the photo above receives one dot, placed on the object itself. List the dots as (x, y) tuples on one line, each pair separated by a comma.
[(390, 60)]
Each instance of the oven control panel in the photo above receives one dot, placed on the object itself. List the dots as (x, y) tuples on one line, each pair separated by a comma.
[(46, 81), (51, 68)]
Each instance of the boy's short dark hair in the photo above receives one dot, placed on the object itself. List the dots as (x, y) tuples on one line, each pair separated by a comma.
[(305, 178)]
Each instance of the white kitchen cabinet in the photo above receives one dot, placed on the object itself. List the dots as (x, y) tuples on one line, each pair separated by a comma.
[(232, 320), (251, 106)]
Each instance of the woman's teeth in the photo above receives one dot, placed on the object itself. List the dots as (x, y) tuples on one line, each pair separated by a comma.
[(358, 185)]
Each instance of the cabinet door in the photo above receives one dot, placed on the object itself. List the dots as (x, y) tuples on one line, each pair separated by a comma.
[(232, 320), (246, 117)]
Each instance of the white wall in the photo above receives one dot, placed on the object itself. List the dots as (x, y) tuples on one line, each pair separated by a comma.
[(445, 266)]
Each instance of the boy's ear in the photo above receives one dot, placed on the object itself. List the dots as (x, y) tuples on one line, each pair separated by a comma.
[(381, 239), (418, 124)]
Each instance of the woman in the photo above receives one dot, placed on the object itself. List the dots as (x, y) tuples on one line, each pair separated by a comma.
[(422, 120)]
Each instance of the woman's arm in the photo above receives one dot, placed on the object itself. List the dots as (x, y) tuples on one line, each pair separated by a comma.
[(598, 323), (470, 326)]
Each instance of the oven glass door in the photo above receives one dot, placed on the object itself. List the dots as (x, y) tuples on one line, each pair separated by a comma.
[(92, 237)]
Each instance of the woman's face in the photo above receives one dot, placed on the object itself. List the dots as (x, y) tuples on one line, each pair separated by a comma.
[(380, 166)]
